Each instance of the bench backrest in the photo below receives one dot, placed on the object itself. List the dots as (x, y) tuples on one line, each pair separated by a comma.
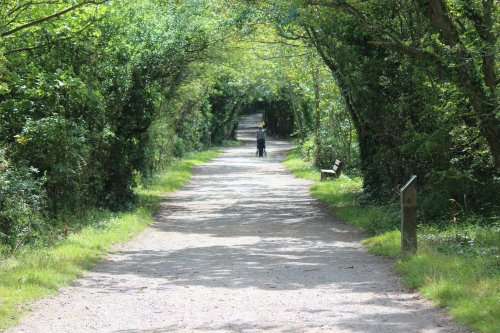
[(337, 167)]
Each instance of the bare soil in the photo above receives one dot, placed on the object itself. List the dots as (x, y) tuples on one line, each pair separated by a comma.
[(242, 247)]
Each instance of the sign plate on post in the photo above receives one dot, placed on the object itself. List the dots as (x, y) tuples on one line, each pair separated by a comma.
[(409, 217)]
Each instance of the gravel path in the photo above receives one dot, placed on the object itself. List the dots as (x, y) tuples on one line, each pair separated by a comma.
[(242, 247)]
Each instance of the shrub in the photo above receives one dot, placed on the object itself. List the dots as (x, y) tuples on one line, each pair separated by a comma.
[(57, 148), (21, 202)]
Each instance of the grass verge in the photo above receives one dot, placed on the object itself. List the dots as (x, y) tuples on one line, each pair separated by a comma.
[(40, 271), (457, 267)]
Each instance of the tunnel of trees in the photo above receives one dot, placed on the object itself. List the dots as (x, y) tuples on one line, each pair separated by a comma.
[(96, 94)]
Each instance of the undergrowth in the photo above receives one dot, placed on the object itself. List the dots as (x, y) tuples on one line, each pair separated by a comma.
[(457, 265), (41, 268)]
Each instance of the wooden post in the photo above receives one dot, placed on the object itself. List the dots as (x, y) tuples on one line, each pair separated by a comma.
[(409, 217)]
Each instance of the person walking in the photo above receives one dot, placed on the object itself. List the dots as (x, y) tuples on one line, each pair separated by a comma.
[(261, 141)]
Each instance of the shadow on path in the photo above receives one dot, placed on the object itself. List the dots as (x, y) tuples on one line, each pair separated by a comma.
[(242, 247)]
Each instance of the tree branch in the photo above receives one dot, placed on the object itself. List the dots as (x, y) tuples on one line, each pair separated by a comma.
[(402, 48), (31, 48), (272, 43), (50, 17), (396, 43)]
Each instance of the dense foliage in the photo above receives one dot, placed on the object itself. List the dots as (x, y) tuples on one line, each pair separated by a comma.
[(419, 82), (96, 95)]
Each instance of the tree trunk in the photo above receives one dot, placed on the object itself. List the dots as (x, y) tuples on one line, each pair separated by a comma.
[(317, 113), (296, 113), (337, 73), (481, 91)]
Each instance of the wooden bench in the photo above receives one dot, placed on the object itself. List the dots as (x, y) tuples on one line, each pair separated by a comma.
[(334, 172)]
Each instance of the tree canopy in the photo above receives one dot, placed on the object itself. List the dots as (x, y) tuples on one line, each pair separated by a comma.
[(96, 95)]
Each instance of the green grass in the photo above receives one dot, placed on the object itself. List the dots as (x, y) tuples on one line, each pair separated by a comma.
[(456, 267), (468, 286), (385, 244), (341, 195), (40, 271), (299, 167)]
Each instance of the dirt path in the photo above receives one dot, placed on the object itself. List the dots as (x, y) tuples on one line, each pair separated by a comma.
[(241, 248)]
